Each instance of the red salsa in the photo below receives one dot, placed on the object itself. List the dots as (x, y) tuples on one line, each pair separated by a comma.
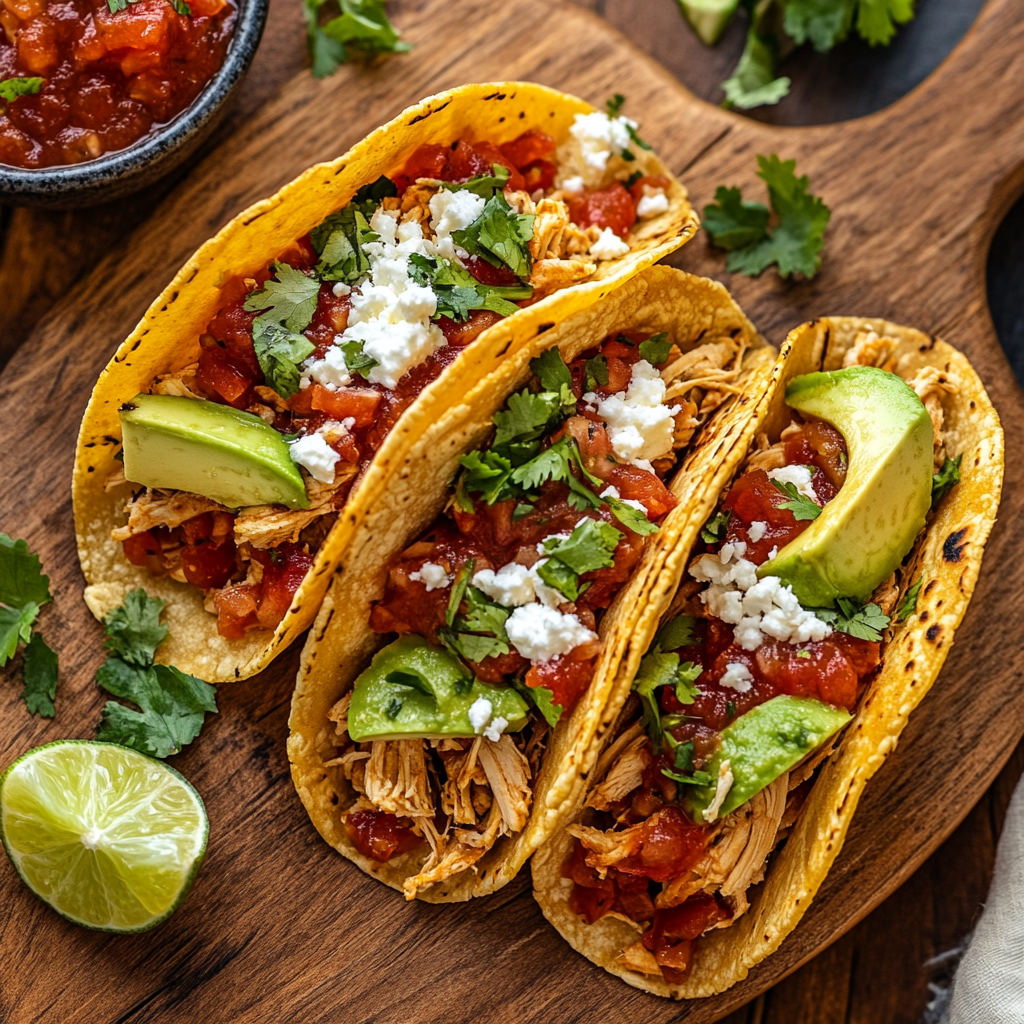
[(110, 78)]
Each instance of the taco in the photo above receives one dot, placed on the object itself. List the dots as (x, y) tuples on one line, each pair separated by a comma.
[(270, 391), (815, 613), (439, 760)]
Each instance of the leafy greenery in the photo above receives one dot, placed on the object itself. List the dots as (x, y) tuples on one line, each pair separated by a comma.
[(865, 622), (590, 546), (908, 605), (596, 372), (173, 704), (500, 236), (179, 6), (613, 107), (458, 292), (742, 228), (683, 764), (455, 599), (676, 633), (361, 25), (12, 88), (631, 517), (753, 82), (24, 589), (656, 348), (715, 528), (946, 478), (802, 507), (280, 352)]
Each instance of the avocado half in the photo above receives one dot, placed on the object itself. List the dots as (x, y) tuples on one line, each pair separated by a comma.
[(866, 530)]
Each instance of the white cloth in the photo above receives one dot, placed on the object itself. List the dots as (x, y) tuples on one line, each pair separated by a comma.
[(989, 985)]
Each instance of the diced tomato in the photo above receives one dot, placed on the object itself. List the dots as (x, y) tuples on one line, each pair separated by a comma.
[(145, 25), (539, 175), (357, 403), (284, 569), (531, 146), (232, 327), (593, 896), (653, 181), (429, 161), (498, 667), (754, 498), (236, 610), (819, 444), (459, 334), (670, 845), (610, 207), (565, 676), (209, 565), (636, 484), (145, 550), (486, 273), (380, 836), (221, 377), (673, 931)]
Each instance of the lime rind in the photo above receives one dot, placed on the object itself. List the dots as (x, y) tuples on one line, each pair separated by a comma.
[(108, 837)]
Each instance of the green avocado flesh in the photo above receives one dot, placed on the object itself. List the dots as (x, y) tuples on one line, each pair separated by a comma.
[(709, 18), (762, 744), (205, 448), (428, 704), (866, 530)]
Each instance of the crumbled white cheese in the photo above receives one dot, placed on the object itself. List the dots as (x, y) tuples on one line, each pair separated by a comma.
[(390, 313), (432, 575), (330, 371), (315, 456), (640, 425), (341, 289), (725, 781), (593, 140), (514, 585), (798, 475), (651, 204), (753, 607), (608, 246), (480, 714), (495, 729), (452, 211), (737, 677), (757, 529), (611, 491), (575, 184), (540, 633)]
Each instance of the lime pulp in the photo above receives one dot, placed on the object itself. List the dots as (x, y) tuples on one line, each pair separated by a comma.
[(108, 837)]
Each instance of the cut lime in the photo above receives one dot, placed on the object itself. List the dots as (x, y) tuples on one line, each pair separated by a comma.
[(709, 18), (108, 837)]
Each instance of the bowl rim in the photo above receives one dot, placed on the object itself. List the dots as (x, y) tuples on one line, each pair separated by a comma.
[(134, 159)]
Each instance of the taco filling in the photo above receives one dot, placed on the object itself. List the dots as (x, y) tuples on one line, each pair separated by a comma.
[(498, 604), (770, 644), (320, 353)]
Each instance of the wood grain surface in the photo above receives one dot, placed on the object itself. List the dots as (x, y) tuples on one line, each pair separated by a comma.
[(279, 927)]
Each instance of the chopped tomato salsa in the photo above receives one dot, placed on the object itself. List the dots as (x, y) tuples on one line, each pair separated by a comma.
[(380, 836), (110, 78)]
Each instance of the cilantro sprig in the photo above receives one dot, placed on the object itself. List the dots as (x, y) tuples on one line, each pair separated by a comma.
[(715, 529), (590, 546), (802, 507), (173, 704), (866, 622), (742, 228), (908, 605), (500, 236), (613, 108), (12, 88), (24, 589), (946, 479), (360, 25)]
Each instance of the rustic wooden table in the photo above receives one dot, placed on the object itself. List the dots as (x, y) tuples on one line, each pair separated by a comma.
[(878, 971)]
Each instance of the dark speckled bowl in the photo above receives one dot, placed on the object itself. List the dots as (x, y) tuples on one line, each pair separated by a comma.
[(117, 174)]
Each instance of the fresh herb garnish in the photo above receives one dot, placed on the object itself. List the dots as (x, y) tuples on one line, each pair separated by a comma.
[(865, 622), (742, 228), (909, 603), (590, 546), (279, 352), (715, 528), (596, 372), (459, 293), (521, 511), (802, 507), (686, 676), (632, 518), (542, 699), (614, 109), (675, 634), (483, 185), (683, 764), (483, 616), (361, 25), (402, 678), (500, 236), (730, 708), (458, 593), (180, 7), (656, 670), (356, 360), (393, 708), (12, 88), (656, 348), (24, 589), (753, 82), (946, 478)]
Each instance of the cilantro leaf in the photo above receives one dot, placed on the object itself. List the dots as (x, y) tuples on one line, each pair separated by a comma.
[(279, 352), (500, 236), (551, 370), (133, 629), (356, 360), (686, 675), (909, 603), (596, 372), (655, 670), (676, 633), (591, 546), (21, 575), (696, 779), (485, 472), (683, 763), (289, 300), (15, 625), (477, 648), (796, 243), (753, 82), (483, 615), (634, 519), (12, 88), (877, 19), (946, 478), (527, 416), (483, 185), (802, 507), (733, 223), (455, 599), (544, 700), (458, 292), (521, 511), (655, 349), (40, 677), (558, 575), (715, 528), (339, 239), (613, 107), (865, 622), (823, 23), (173, 707), (362, 25)]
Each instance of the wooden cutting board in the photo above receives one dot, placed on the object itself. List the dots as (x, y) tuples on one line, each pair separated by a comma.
[(278, 926)]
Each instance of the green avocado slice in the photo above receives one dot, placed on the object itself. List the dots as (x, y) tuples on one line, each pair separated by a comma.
[(206, 448), (866, 530), (414, 690), (709, 18), (762, 744)]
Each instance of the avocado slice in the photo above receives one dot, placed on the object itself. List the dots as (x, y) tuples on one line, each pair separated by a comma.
[(414, 690), (866, 530), (762, 744), (206, 448), (708, 18)]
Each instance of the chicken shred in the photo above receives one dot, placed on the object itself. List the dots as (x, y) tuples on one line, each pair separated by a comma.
[(626, 774), (508, 776), (869, 349), (931, 385), (152, 508), (396, 778), (555, 237)]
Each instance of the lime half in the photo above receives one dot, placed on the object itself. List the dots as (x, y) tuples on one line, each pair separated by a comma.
[(108, 837)]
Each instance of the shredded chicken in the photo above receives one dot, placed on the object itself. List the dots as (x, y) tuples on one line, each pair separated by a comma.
[(554, 235), (151, 508), (464, 775), (549, 276), (626, 774), (871, 350), (931, 385), (637, 958), (508, 775), (886, 595), (396, 778), (180, 383)]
